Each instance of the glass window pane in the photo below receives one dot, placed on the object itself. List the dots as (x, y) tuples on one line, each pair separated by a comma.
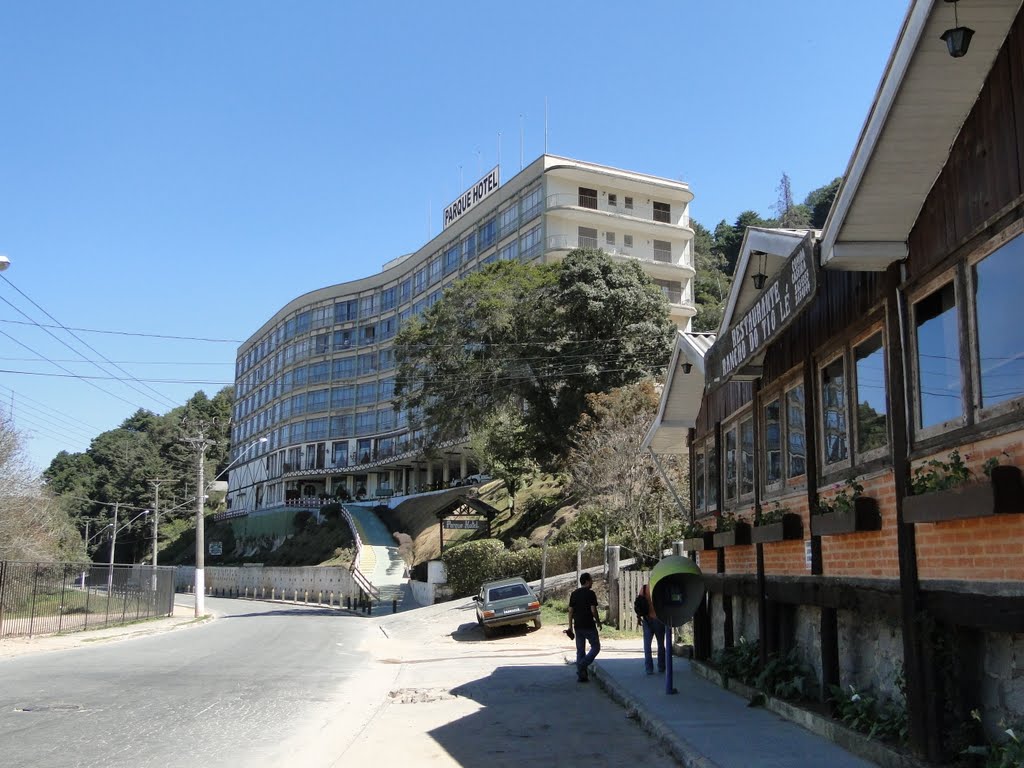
[(712, 489), (796, 441), (999, 281), (698, 482), (938, 358), (746, 457), (730, 465), (833, 405), (872, 430), (772, 442)]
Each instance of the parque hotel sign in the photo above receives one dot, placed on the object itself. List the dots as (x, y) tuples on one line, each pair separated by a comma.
[(780, 302), (472, 196)]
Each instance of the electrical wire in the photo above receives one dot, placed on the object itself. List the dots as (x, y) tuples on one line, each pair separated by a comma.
[(22, 396), (126, 333)]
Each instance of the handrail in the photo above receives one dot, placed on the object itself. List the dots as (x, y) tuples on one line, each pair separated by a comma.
[(360, 579)]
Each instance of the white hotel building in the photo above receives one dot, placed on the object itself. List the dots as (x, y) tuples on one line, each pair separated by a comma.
[(314, 385)]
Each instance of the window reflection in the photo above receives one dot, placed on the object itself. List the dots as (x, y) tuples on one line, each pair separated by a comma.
[(998, 281), (772, 443), (833, 404), (730, 464), (796, 458), (938, 358), (698, 481), (712, 489), (869, 359), (746, 457)]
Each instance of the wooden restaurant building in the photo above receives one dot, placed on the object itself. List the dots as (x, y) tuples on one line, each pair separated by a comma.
[(856, 448)]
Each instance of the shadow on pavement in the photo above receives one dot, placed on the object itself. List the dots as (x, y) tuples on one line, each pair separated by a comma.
[(474, 633), (293, 612)]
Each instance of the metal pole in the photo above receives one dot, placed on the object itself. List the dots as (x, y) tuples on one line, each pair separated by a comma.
[(200, 589), (113, 543), (669, 688), (544, 564), (156, 514)]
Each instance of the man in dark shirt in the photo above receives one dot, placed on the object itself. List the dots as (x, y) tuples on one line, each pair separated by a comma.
[(584, 619)]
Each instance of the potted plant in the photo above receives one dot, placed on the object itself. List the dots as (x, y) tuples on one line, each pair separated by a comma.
[(845, 512), (944, 490), (730, 531), (696, 539), (776, 524)]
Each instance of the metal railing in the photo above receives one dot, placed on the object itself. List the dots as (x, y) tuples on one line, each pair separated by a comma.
[(45, 598), (642, 253), (637, 210)]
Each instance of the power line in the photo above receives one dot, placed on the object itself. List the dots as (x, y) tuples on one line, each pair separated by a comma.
[(87, 379), (123, 362), (126, 333), (44, 405), (77, 338)]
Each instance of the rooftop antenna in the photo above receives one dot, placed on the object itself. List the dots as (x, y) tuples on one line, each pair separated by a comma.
[(520, 142), (545, 125), (460, 175), (499, 147), (479, 163)]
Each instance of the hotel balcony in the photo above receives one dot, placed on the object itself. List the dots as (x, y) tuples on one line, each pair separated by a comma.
[(584, 206), (657, 263)]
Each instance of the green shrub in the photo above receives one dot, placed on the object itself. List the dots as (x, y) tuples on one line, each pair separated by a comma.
[(472, 563), (740, 662), (869, 714)]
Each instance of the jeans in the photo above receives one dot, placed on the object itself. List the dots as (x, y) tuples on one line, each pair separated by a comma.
[(588, 635), (654, 628)]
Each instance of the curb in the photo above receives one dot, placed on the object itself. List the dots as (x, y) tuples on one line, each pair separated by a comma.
[(679, 748)]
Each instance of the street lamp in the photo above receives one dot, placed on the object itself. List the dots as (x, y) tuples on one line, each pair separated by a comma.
[(4, 262)]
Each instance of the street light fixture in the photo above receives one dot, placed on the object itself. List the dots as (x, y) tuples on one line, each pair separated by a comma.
[(4, 262)]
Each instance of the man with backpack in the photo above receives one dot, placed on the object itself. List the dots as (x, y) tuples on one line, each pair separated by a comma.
[(653, 627)]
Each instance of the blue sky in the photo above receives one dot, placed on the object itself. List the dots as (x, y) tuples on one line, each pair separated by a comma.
[(187, 168)]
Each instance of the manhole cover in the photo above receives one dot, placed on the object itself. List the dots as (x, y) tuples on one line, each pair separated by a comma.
[(49, 708)]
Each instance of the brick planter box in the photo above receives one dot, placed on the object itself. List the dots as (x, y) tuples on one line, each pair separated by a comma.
[(1003, 493), (737, 536), (863, 517), (790, 528), (700, 543)]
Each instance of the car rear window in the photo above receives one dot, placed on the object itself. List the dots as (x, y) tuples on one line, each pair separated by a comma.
[(509, 590)]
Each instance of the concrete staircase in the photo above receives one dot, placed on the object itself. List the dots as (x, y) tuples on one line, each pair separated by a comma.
[(380, 562)]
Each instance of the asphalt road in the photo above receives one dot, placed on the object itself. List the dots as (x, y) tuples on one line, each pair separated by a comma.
[(252, 688)]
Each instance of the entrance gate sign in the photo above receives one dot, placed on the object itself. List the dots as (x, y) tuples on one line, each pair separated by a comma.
[(464, 525), (780, 302)]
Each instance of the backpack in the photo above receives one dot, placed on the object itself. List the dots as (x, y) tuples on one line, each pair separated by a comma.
[(640, 607)]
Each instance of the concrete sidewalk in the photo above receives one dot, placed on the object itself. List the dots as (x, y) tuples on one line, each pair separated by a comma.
[(706, 726)]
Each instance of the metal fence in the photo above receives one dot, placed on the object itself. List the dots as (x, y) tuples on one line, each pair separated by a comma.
[(44, 598)]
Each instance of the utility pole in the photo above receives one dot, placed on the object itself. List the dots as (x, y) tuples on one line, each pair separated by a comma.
[(113, 543), (200, 443), (156, 513)]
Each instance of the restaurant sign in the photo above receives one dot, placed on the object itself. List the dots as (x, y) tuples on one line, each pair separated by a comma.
[(781, 300)]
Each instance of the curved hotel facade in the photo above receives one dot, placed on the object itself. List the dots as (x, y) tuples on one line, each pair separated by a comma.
[(314, 385)]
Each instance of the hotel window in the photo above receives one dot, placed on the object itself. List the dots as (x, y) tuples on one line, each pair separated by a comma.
[(405, 291), (663, 251), (451, 259), (385, 419), (386, 328), (419, 281), (386, 359), (302, 322), (508, 221), (998, 285), (343, 397), (316, 401), (368, 306), (365, 424), (316, 429), (286, 408), (530, 245), (319, 372), (298, 404), (366, 394), (387, 299), (662, 212), (301, 377), (627, 203), (627, 241), (937, 337), (365, 448), (339, 453), (509, 252), (298, 433), (730, 464), (469, 247), (367, 364), (835, 445), (341, 426), (386, 389), (587, 237), (322, 317), (609, 238), (488, 234), (287, 381), (532, 204), (435, 271), (342, 340), (367, 335), (613, 200), (343, 368), (321, 343), (587, 198), (872, 429)]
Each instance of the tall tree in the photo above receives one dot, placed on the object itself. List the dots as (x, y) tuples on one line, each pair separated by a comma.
[(819, 201), (711, 283), (790, 215), (543, 337)]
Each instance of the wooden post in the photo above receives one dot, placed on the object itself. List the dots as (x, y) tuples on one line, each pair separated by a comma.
[(614, 597), (762, 606)]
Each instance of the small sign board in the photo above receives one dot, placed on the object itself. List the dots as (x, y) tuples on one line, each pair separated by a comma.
[(464, 525), (216, 548), (778, 304)]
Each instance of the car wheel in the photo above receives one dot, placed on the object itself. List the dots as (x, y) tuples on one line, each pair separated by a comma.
[(488, 631), (537, 623)]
